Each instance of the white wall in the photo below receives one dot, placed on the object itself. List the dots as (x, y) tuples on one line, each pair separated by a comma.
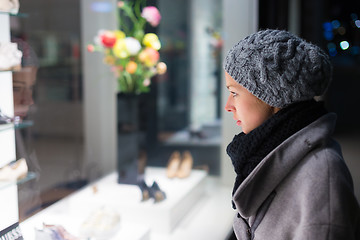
[(239, 20), (99, 92)]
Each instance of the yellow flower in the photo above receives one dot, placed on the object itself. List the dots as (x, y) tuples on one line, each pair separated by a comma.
[(119, 34), (120, 49), (152, 40)]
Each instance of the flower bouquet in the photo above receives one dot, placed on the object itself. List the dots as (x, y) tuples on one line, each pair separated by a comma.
[(132, 54)]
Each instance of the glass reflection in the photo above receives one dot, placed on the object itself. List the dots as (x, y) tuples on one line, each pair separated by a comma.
[(24, 81)]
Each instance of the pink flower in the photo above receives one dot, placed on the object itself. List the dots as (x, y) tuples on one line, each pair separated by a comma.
[(149, 56), (90, 48), (120, 4), (152, 15), (147, 82)]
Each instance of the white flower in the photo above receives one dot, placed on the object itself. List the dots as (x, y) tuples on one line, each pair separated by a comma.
[(146, 82), (133, 45)]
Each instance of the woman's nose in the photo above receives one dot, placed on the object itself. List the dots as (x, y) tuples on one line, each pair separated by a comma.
[(229, 107), (27, 97)]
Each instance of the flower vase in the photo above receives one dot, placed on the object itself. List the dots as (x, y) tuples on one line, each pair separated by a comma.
[(128, 138)]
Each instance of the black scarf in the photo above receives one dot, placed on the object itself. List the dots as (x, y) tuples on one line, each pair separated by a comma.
[(247, 150)]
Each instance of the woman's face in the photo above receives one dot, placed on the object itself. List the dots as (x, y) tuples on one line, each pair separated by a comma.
[(23, 84), (249, 112)]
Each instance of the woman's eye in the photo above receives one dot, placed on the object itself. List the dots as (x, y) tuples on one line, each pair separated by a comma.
[(233, 94), (17, 89)]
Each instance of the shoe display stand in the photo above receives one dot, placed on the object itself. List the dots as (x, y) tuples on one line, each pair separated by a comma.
[(144, 216), (8, 193)]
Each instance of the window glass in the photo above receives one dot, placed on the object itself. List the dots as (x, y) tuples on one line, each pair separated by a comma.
[(47, 97), (180, 113)]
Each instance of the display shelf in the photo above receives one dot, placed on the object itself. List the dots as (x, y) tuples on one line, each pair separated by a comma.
[(22, 15), (72, 223), (183, 138), (214, 205), (28, 177), (162, 217), (23, 124), (211, 218), (10, 70), (9, 200), (7, 126), (7, 143)]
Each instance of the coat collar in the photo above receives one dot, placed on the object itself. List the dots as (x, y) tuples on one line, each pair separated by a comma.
[(277, 164)]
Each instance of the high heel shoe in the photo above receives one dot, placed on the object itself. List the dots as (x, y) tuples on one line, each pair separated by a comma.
[(186, 165), (157, 193), (145, 190), (173, 165), (14, 170)]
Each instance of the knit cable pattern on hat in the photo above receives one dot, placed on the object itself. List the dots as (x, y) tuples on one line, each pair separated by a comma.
[(278, 67)]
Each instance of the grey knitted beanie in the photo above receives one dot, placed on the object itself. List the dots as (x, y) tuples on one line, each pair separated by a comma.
[(279, 68)]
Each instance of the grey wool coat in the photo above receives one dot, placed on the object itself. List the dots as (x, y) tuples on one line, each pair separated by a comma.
[(301, 190)]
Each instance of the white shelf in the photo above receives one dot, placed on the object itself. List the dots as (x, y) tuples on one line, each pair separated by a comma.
[(8, 211), (210, 218), (7, 143), (160, 217), (9, 197), (198, 207), (71, 222)]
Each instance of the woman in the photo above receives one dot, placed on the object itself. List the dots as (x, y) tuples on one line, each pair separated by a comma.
[(292, 181)]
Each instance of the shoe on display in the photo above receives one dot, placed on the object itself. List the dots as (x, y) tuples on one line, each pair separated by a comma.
[(14, 170), (56, 232), (5, 119), (157, 193), (103, 223), (11, 6), (173, 164), (185, 166), (145, 190), (10, 56)]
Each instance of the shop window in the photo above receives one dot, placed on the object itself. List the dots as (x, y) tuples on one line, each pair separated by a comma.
[(181, 113)]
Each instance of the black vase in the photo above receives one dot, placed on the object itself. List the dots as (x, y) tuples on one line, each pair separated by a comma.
[(128, 137)]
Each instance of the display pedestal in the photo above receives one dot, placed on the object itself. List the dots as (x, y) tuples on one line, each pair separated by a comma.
[(72, 222), (162, 217), (145, 217)]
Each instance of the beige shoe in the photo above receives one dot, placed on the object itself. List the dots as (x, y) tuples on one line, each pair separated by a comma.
[(14, 171), (10, 56), (186, 165), (173, 164), (11, 6)]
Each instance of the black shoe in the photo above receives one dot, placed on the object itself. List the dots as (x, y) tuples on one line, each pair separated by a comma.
[(157, 193), (145, 190)]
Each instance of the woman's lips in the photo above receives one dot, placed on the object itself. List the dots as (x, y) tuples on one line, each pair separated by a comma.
[(238, 122)]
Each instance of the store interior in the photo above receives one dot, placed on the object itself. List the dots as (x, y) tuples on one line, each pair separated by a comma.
[(71, 114)]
